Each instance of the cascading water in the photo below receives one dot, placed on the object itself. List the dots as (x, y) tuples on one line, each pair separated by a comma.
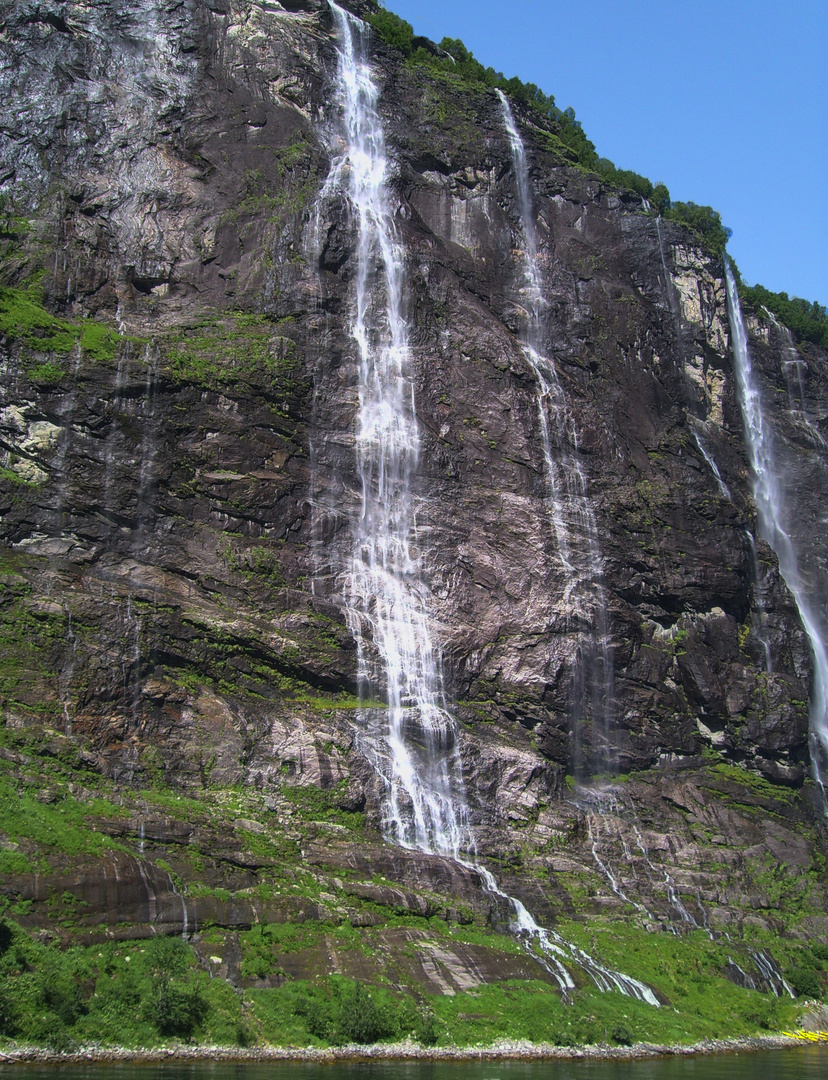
[(608, 817), (772, 514), (570, 510), (413, 742), (388, 599)]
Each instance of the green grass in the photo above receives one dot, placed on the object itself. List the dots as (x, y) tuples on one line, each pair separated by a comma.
[(59, 827), (755, 783), (128, 994), (109, 998), (24, 318), (322, 804), (240, 347)]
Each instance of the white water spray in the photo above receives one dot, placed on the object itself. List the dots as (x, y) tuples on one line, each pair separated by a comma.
[(772, 513), (413, 742)]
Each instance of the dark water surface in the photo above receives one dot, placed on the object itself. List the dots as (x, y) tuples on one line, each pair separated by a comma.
[(807, 1063)]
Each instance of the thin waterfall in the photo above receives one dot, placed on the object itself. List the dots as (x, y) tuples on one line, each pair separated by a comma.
[(714, 468), (413, 742), (570, 510), (772, 514)]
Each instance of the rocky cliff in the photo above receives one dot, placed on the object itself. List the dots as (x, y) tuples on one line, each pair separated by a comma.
[(179, 487)]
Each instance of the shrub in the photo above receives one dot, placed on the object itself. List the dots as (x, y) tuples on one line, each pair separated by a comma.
[(346, 1012), (425, 1031), (50, 1031), (807, 320), (166, 957), (804, 981), (176, 1009), (63, 996), (45, 375), (705, 222), (361, 1019), (173, 1007), (622, 1035), (9, 1020), (393, 30)]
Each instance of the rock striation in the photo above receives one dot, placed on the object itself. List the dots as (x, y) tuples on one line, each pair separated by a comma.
[(179, 485)]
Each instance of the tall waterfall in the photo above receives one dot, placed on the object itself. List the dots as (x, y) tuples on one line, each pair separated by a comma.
[(570, 510), (413, 742), (388, 599), (772, 514)]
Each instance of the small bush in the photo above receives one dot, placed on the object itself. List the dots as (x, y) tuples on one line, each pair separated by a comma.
[(804, 981), (426, 1031), (621, 1035), (46, 375), (64, 997), (9, 1019), (705, 222), (393, 30), (50, 1031), (245, 1036), (167, 957), (176, 1009), (807, 319), (361, 1019)]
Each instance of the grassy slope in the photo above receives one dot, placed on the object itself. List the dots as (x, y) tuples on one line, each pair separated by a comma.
[(146, 992)]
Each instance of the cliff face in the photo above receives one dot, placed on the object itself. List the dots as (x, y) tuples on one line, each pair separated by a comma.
[(179, 487)]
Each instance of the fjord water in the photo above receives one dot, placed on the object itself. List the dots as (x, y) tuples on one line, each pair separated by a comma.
[(806, 1063), (768, 491), (413, 742)]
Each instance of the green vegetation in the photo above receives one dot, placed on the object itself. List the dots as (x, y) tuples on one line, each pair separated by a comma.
[(144, 993), (24, 318), (46, 375), (567, 139), (239, 347), (150, 992), (807, 321), (134, 994), (704, 221), (323, 804), (236, 666), (755, 783), (54, 827)]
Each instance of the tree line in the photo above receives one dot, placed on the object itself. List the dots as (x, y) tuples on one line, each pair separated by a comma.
[(808, 321)]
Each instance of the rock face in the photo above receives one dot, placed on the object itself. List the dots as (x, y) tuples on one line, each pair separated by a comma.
[(179, 480)]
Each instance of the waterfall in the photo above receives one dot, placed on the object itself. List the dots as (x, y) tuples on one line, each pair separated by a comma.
[(388, 599), (724, 491), (570, 510), (412, 742), (769, 970), (772, 514)]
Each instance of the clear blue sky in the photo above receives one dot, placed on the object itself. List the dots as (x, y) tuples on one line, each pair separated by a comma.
[(726, 101)]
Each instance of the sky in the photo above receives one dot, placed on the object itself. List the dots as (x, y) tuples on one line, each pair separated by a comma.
[(725, 101)]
